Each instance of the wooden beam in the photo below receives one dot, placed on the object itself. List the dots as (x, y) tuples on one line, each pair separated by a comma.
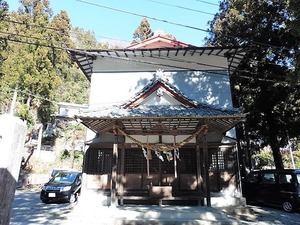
[(206, 169), (122, 174)]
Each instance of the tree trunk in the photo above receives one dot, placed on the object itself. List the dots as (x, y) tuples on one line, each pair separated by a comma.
[(276, 151), (274, 143)]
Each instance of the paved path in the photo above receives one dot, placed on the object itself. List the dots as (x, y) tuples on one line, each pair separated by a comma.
[(92, 210)]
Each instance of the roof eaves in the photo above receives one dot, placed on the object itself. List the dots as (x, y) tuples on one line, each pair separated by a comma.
[(202, 111)]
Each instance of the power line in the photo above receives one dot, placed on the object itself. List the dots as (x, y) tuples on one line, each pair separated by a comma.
[(138, 61), (36, 96), (34, 43), (31, 37), (34, 25), (51, 46), (143, 16), (74, 32), (152, 63), (122, 58), (173, 23), (217, 72), (33, 95), (181, 7), (60, 30), (140, 15), (209, 3)]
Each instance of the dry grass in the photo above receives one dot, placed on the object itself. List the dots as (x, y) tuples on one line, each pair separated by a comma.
[(38, 166)]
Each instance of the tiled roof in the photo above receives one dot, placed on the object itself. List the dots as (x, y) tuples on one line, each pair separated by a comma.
[(157, 111), (144, 120), (149, 60)]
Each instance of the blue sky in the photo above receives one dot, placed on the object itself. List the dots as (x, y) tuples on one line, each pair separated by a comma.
[(109, 24)]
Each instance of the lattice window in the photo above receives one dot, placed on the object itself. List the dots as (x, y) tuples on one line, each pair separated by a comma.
[(187, 163), (167, 167), (135, 161), (154, 164), (222, 160), (98, 161), (214, 162)]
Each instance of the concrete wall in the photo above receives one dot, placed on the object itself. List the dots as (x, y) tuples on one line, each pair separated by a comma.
[(12, 139)]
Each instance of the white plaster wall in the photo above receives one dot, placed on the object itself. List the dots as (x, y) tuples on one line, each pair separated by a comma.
[(165, 99), (205, 87), (115, 88)]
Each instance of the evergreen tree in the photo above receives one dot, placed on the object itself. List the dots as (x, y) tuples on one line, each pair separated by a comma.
[(261, 85), (4, 102), (36, 59), (84, 39), (143, 32)]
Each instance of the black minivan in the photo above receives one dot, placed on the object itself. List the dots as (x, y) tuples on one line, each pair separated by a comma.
[(65, 186), (274, 187)]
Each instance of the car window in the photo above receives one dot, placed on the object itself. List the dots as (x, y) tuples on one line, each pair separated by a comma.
[(78, 180), (285, 178), (55, 172), (298, 178), (252, 178), (268, 178), (65, 177)]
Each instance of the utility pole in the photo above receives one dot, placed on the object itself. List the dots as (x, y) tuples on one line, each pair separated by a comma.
[(13, 102)]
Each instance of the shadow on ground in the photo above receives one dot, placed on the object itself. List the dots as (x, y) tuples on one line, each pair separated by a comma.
[(28, 209)]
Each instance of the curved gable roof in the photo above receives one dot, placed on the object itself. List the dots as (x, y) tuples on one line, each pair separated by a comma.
[(154, 86), (135, 120)]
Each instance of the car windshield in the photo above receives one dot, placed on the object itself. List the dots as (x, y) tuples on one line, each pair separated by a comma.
[(56, 171), (64, 177)]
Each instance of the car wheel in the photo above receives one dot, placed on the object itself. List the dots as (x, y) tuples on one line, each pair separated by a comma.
[(73, 198), (45, 201), (287, 206)]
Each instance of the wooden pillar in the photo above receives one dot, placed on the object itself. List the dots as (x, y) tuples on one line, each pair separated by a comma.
[(218, 170), (113, 199), (160, 165), (84, 179), (199, 177), (122, 174), (206, 169)]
